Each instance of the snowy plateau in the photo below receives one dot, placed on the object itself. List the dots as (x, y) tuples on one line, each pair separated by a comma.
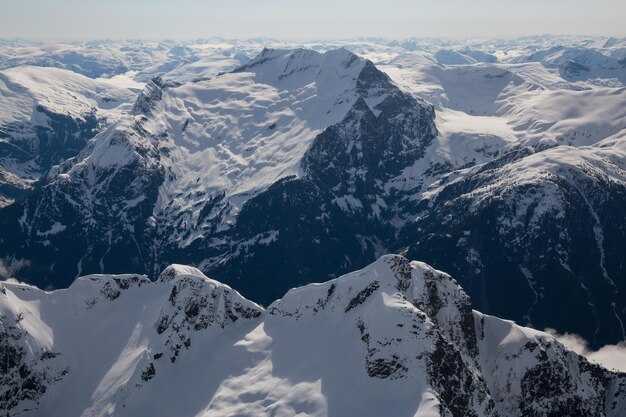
[(269, 165)]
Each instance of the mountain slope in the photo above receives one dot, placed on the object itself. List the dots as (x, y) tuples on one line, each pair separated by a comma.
[(47, 115), (192, 174), (543, 222), (521, 194), (397, 338)]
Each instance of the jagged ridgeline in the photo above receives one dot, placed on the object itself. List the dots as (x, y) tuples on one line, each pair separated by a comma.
[(396, 338), (300, 165)]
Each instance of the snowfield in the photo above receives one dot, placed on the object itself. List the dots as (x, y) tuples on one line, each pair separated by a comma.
[(239, 133)]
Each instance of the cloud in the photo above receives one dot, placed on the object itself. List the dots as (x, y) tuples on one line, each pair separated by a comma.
[(8, 271), (610, 356), (4, 271)]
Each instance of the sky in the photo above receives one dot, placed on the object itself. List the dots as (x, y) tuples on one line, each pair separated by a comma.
[(311, 19)]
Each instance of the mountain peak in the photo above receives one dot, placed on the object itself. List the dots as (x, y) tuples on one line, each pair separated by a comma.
[(177, 271), (390, 274), (151, 94), (291, 67), (196, 294)]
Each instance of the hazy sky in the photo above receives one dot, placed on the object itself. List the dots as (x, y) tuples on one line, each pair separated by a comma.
[(300, 19)]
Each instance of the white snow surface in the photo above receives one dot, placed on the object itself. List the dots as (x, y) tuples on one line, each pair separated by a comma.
[(59, 91), (485, 110), (238, 133), (243, 131)]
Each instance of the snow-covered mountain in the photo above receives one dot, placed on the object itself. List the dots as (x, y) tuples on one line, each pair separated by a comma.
[(47, 115), (195, 170), (525, 182), (396, 338), (513, 180), (580, 64), (138, 59)]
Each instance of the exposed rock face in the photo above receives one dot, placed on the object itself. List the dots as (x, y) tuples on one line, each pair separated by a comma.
[(540, 222), (27, 370), (98, 207), (390, 302), (338, 214), (552, 380), (151, 95), (195, 303)]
